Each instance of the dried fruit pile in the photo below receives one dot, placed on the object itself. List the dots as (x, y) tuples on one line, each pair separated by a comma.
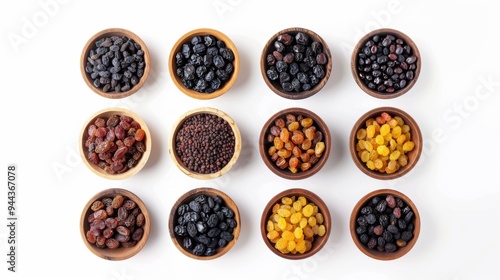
[(115, 144), (293, 225), (297, 144), (383, 143), (114, 222), (205, 224), (385, 223)]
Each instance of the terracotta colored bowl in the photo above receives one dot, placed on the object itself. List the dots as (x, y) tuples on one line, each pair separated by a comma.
[(264, 144), (357, 73), (275, 85), (318, 242), (186, 38), (413, 155), (91, 45), (375, 253), (95, 168), (178, 125), (185, 199), (120, 253)]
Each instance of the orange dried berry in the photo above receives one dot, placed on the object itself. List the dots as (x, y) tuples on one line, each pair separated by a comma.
[(285, 135), (293, 126)]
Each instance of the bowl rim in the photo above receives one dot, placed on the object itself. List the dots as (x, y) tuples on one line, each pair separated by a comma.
[(311, 196), (212, 111), (186, 38), (416, 138), (120, 253), (209, 191), (302, 94), (115, 32), (385, 31), (96, 169), (384, 256), (302, 174)]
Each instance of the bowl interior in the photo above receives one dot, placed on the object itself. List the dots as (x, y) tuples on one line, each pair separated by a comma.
[(413, 155), (361, 44), (108, 33), (319, 241), (275, 85), (373, 253), (120, 253), (186, 38), (190, 195), (264, 145), (177, 127), (106, 113)]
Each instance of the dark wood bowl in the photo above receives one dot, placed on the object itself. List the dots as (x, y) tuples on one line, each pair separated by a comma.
[(190, 195), (413, 155), (275, 85), (91, 45), (318, 242), (374, 253), (120, 253), (358, 49), (264, 145), (186, 38)]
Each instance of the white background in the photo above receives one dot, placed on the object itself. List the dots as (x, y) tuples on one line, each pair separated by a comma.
[(454, 185)]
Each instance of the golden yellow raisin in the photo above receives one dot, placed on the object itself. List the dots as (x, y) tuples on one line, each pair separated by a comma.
[(302, 200), (286, 200), (285, 213), (282, 223), (321, 230), (295, 218), (306, 122), (281, 244), (307, 211), (298, 233), (270, 226)]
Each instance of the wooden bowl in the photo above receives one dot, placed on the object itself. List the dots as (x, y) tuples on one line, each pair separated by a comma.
[(412, 156), (120, 253), (91, 45), (107, 113), (275, 85), (178, 125), (191, 195), (186, 38), (318, 242), (265, 145), (358, 49), (375, 253)]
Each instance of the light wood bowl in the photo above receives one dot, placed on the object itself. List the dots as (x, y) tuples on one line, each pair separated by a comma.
[(319, 241), (186, 38), (264, 145), (413, 155), (374, 253), (360, 45), (120, 253), (178, 125), (106, 113), (91, 44), (275, 86), (188, 196)]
